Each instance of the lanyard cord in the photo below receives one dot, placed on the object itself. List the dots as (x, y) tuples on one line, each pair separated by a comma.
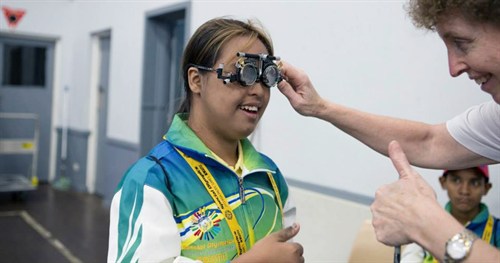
[(488, 230), (277, 192), (217, 195), (220, 200)]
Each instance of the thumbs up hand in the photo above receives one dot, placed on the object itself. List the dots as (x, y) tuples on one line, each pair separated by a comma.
[(275, 248), (400, 208)]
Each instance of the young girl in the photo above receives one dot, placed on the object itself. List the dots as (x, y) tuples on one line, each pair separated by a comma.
[(205, 193)]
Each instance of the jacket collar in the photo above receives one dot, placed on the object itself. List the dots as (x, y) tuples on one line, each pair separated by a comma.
[(480, 218), (181, 136)]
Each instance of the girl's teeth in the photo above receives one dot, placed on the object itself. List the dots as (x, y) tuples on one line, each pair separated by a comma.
[(249, 108)]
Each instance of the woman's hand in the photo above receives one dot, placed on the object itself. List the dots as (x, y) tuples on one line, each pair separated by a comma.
[(299, 90)]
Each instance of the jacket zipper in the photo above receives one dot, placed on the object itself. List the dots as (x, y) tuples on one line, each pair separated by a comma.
[(240, 181), (242, 189)]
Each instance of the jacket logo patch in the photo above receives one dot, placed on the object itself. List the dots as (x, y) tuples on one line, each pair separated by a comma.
[(205, 224)]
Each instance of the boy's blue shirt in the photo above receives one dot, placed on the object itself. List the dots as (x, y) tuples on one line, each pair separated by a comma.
[(478, 224)]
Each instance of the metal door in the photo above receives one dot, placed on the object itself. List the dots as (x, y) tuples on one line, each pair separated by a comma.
[(162, 89), (26, 77)]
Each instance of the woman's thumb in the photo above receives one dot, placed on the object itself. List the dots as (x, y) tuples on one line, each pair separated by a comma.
[(399, 160)]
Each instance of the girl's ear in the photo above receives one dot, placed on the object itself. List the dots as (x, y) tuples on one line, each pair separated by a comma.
[(194, 79)]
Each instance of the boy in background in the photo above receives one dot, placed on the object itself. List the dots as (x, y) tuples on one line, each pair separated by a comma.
[(465, 189)]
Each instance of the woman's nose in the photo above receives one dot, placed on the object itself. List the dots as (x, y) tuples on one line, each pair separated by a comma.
[(456, 65)]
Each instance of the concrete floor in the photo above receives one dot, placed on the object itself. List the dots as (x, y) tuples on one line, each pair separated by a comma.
[(49, 225)]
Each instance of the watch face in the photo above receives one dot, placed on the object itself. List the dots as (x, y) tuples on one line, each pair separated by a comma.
[(456, 249)]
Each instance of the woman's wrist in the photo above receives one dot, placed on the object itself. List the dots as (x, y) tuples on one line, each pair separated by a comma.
[(435, 230)]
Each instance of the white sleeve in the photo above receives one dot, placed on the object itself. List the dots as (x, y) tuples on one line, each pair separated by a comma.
[(477, 129), (412, 253), (152, 238)]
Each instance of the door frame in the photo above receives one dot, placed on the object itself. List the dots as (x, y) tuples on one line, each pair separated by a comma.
[(95, 72), (153, 122)]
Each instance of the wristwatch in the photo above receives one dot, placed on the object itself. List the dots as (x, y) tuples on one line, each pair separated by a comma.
[(459, 246)]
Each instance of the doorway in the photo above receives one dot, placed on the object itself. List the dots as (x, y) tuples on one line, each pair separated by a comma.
[(162, 85), (26, 86), (102, 180)]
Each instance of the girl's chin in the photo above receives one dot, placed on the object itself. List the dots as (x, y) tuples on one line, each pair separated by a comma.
[(247, 132)]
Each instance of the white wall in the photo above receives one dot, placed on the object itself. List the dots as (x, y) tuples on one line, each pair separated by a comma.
[(328, 225)]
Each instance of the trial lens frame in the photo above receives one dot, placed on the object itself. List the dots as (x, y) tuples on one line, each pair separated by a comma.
[(251, 68)]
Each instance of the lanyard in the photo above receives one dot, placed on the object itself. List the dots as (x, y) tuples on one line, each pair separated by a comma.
[(488, 230), (220, 200), (277, 192)]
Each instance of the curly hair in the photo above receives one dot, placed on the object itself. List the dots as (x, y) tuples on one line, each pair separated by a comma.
[(426, 13)]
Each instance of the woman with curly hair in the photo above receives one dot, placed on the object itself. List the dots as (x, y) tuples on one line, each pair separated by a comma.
[(407, 210)]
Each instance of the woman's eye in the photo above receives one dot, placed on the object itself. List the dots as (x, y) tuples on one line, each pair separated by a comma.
[(461, 45)]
